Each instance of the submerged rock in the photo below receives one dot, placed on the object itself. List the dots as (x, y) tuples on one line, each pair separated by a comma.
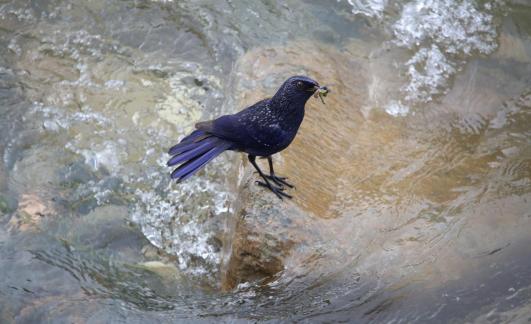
[(164, 270), (31, 211)]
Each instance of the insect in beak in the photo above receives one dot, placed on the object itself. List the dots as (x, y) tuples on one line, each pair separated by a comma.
[(321, 92)]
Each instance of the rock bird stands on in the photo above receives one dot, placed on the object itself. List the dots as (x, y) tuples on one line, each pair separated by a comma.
[(263, 129)]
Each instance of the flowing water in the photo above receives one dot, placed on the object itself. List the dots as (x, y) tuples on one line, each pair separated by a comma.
[(415, 178)]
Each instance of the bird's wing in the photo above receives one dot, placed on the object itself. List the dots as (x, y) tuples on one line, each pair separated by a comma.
[(225, 127), (230, 127)]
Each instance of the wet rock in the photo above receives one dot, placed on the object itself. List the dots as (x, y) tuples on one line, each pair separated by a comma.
[(150, 252), (164, 270), (31, 211), (268, 230), (154, 254)]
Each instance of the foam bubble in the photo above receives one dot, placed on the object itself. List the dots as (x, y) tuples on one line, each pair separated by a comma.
[(396, 108), (370, 8), (441, 35), (429, 71)]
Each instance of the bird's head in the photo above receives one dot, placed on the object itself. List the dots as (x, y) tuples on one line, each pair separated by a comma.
[(300, 89)]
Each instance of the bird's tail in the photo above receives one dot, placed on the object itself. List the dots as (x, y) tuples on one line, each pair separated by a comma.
[(194, 152)]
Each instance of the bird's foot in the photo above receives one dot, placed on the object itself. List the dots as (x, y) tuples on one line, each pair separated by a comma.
[(276, 190), (280, 181)]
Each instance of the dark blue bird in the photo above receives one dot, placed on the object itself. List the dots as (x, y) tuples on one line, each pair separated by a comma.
[(263, 129)]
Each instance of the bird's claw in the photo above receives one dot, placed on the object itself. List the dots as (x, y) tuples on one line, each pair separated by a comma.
[(280, 181), (263, 184), (276, 190)]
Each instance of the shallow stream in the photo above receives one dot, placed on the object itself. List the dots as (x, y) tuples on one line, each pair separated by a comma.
[(415, 178)]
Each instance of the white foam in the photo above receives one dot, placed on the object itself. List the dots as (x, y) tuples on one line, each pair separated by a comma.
[(456, 26), (177, 228), (396, 108), (106, 154), (370, 8), (114, 84), (429, 71), (55, 119), (441, 36)]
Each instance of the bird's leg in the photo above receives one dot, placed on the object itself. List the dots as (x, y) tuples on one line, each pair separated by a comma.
[(281, 181), (277, 191)]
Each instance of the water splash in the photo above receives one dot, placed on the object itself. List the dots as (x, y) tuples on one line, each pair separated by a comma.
[(396, 108), (443, 34), (370, 8), (115, 118), (429, 72), (441, 37)]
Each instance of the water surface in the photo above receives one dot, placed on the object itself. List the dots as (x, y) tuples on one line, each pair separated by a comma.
[(423, 215)]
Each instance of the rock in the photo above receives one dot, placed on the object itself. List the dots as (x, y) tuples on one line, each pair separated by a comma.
[(154, 254), (267, 230), (31, 211), (164, 270)]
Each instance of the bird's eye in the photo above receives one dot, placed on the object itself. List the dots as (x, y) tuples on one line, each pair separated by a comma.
[(300, 85)]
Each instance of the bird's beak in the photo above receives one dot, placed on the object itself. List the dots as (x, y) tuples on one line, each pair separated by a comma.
[(320, 92)]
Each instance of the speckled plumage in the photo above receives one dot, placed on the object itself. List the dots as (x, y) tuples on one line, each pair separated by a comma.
[(263, 129)]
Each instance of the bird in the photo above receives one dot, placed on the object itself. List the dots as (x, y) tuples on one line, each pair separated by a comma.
[(260, 130)]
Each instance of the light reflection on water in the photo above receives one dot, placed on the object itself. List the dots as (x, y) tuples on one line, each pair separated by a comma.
[(418, 210)]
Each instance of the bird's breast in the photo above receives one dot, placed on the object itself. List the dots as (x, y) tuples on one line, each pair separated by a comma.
[(271, 130)]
